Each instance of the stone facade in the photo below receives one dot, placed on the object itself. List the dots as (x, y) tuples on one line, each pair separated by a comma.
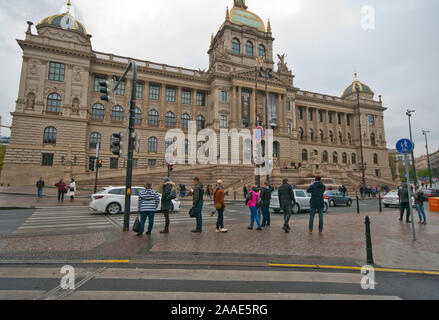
[(228, 93)]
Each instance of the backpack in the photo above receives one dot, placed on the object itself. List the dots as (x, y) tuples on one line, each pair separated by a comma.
[(259, 202), (248, 198)]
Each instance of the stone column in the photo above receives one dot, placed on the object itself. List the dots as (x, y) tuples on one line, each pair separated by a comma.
[(252, 123), (233, 112), (194, 104), (345, 119), (162, 105), (239, 109), (178, 116), (306, 119)]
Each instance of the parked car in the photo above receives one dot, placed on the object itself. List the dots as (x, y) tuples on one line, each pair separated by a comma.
[(302, 201), (337, 198), (392, 199), (431, 193), (111, 200)]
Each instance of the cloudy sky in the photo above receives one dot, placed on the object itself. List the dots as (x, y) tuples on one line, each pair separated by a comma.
[(325, 42)]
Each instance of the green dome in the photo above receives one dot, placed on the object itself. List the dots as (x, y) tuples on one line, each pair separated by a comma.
[(64, 21)]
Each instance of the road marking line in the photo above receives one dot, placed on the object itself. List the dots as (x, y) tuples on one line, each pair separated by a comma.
[(106, 261)]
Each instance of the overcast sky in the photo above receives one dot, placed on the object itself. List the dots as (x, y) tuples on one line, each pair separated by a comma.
[(325, 43)]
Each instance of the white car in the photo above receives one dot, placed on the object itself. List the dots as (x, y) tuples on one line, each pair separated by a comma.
[(111, 200), (302, 202), (392, 199)]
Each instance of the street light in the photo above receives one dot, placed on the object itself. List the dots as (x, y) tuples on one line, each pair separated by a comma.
[(363, 175), (428, 157), (409, 115)]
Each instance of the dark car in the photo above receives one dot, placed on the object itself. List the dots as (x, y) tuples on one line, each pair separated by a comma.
[(337, 198)]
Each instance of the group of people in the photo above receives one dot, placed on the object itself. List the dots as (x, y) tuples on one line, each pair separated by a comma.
[(405, 202), (62, 187), (369, 191)]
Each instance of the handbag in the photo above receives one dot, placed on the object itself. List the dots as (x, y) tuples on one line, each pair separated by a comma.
[(136, 225), (193, 212), (72, 189)]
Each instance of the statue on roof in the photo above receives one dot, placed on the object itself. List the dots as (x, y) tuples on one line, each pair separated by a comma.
[(240, 4)]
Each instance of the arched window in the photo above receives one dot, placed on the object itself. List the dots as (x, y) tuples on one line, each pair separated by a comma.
[(322, 136), (117, 114), (349, 138), (335, 157), (170, 120), (261, 52), (236, 46), (340, 137), (249, 48), (354, 158), (375, 159), (152, 144), (138, 116), (311, 134), (345, 158), (201, 122), (185, 118), (331, 136), (372, 139), (325, 156), (49, 135), (95, 138), (153, 118), (54, 103), (304, 155), (301, 133), (97, 112)]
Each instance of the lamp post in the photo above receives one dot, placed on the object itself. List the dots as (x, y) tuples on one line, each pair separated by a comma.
[(363, 175), (428, 157), (409, 115)]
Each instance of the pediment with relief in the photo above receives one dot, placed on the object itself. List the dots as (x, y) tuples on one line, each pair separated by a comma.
[(65, 35), (250, 75)]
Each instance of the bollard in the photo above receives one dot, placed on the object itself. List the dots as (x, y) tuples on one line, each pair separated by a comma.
[(358, 203), (234, 195), (380, 202), (369, 243)]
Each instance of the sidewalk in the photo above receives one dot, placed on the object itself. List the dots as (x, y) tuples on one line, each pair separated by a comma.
[(47, 192)]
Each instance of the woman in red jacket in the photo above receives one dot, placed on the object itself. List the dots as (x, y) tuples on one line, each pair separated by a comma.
[(61, 189)]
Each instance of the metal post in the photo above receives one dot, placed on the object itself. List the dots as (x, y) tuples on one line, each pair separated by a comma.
[(428, 158), (409, 115), (129, 176), (410, 195), (369, 251), (358, 202), (96, 167), (267, 157), (380, 202), (363, 175)]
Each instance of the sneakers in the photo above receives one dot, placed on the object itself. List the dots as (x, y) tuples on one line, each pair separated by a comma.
[(218, 230), (224, 230), (285, 228), (164, 231), (259, 229)]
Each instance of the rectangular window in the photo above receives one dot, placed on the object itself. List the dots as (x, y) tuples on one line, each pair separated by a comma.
[(97, 80), (201, 99), (320, 116), (223, 121), (300, 110), (339, 118), (371, 120), (56, 71), (152, 163), (186, 97), (114, 163), (47, 160), (348, 120), (154, 92), (135, 163), (120, 89), (91, 163), (171, 95), (330, 117), (139, 90), (224, 96), (288, 106), (310, 114)]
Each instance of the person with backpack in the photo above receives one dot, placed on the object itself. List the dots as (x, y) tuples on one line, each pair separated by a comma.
[(317, 203), (149, 201), (253, 201), (220, 206), (168, 194), (266, 199), (286, 200), (420, 198)]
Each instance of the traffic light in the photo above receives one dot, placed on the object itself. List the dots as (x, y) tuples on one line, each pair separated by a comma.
[(99, 164), (119, 144), (171, 167), (107, 88)]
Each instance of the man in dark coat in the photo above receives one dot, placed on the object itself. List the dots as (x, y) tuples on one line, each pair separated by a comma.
[(266, 198), (317, 203), (198, 200), (166, 202), (286, 200), (404, 203)]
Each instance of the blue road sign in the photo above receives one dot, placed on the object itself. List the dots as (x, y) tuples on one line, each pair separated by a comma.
[(259, 133), (405, 146)]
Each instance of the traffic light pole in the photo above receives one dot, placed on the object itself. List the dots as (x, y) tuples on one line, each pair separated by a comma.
[(97, 167)]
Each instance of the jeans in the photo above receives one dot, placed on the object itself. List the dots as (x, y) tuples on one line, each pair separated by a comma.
[(40, 192), (144, 215), (266, 216), (167, 220), (199, 206), (220, 221), (254, 216), (312, 213), (405, 206), (287, 215), (421, 212)]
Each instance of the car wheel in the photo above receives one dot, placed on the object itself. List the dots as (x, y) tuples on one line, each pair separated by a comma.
[(332, 203), (114, 208), (326, 208), (296, 208), (349, 203), (386, 205)]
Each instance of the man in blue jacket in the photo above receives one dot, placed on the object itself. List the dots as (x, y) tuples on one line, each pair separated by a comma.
[(317, 202)]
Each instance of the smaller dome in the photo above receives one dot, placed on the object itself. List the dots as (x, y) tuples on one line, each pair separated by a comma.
[(240, 15), (352, 88), (64, 21)]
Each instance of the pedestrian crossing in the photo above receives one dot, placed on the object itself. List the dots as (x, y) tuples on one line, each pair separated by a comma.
[(82, 218), (101, 283)]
